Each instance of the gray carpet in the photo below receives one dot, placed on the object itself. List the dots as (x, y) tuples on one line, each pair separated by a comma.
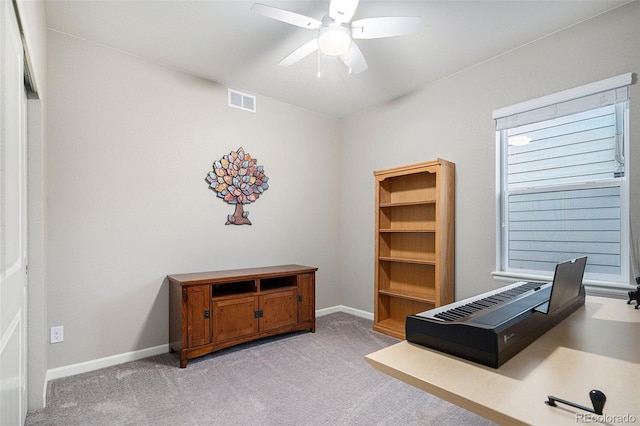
[(296, 379)]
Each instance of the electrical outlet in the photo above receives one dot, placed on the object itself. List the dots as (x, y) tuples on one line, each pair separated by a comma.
[(56, 334)]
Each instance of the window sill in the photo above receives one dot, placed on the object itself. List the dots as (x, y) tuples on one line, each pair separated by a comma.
[(593, 287)]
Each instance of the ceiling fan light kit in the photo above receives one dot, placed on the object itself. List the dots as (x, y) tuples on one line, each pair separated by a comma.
[(336, 32), (334, 40)]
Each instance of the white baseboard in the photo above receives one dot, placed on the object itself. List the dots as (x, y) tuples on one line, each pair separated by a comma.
[(96, 364), (345, 309)]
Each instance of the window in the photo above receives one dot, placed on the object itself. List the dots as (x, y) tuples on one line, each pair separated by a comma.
[(562, 183)]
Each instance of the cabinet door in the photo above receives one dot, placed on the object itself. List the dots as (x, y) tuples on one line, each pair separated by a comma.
[(198, 309), (306, 297), (278, 310), (234, 318)]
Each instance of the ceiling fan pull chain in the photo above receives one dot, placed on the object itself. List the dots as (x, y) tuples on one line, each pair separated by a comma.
[(319, 73)]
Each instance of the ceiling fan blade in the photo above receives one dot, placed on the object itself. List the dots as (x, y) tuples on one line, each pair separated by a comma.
[(384, 27), (354, 59), (342, 10), (300, 53), (286, 16)]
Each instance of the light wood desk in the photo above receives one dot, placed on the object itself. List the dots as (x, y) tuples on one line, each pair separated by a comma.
[(597, 347)]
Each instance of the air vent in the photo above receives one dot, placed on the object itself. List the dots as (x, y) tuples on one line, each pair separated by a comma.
[(242, 100)]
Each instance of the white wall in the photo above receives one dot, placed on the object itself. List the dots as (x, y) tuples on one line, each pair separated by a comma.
[(451, 119), (130, 144)]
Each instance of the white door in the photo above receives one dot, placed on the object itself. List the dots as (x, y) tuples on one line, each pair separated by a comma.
[(13, 223)]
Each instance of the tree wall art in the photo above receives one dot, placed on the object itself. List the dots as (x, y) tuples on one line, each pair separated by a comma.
[(238, 179)]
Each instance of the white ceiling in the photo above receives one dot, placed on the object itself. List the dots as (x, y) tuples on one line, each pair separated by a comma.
[(225, 42)]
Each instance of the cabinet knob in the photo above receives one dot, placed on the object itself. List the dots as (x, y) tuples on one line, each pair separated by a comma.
[(207, 314)]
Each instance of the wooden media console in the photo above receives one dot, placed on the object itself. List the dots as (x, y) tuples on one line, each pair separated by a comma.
[(209, 311)]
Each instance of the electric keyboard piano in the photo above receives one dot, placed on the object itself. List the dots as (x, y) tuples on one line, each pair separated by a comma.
[(493, 327)]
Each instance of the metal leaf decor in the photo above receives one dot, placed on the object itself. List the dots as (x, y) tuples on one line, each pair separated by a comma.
[(238, 179)]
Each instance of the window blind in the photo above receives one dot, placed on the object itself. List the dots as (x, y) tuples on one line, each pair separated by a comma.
[(563, 193), (560, 109), (605, 92)]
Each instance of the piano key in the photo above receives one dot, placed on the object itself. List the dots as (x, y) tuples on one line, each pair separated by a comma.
[(490, 300)]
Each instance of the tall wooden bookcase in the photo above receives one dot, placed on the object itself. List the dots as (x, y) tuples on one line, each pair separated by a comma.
[(414, 254)]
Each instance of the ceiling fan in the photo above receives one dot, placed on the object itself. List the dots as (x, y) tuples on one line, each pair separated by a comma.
[(336, 32)]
